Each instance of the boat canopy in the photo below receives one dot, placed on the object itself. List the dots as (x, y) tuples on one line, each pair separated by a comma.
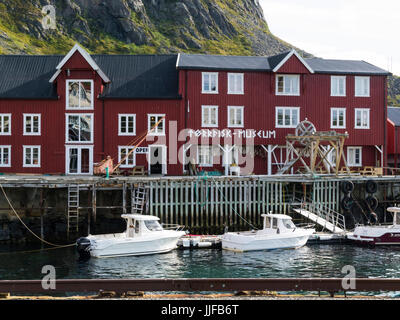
[(278, 216), (139, 217)]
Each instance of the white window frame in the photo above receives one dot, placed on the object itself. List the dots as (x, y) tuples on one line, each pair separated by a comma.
[(203, 75), (155, 132), (291, 109), (358, 80), (209, 110), (79, 158), (350, 163), (26, 115), (335, 86), (205, 165), (241, 108), (338, 126), (362, 110), (67, 94), (120, 133), (285, 76), (238, 78), (124, 165), (2, 115), (2, 165), (67, 128), (25, 165)]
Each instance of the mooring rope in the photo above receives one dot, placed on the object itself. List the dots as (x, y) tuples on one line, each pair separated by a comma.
[(56, 246)]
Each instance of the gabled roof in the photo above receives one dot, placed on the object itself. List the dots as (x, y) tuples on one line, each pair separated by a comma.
[(86, 56), (287, 57), (394, 115)]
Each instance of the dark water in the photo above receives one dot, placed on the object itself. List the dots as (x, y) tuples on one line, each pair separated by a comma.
[(309, 261)]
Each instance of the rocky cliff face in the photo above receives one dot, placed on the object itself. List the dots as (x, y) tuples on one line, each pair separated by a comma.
[(138, 26)]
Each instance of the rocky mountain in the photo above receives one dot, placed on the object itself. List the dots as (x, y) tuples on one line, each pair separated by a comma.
[(234, 27)]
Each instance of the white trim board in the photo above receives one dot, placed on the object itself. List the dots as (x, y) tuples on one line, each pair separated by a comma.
[(289, 55)]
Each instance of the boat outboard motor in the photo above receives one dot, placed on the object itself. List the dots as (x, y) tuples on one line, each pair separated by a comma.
[(83, 247)]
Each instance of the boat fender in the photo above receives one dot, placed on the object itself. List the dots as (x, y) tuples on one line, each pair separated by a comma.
[(371, 186), (374, 217), (347, 186), (372, 202), (347, 203)]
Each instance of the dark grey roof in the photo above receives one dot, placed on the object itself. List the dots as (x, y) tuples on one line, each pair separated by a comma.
[(219, 62), (344, 67), (275, 60), (132, 76), (394, 115)]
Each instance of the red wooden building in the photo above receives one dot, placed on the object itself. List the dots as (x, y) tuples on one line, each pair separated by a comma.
[(62, 114)]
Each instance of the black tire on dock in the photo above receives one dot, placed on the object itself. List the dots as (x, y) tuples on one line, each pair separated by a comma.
[(347, 203), (372, 202), (371, 186), (347, 186)]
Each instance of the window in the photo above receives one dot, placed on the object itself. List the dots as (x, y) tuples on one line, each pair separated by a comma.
[(338, 118), (32, 124), (338, 86), (288, 85), (235, 117), (287, 117), (209, 82), (79, 128), (354, 156), (205, 156), (362, 118), (361, 86), (153, 119), (5, 124), (31, 156), (126, 124), (209, 116), (129, 161), (5, 156), (79, 94), (235, 83)]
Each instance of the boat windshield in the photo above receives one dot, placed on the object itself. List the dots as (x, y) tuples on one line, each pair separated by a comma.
[(397, 218), (288, 224), (153, 225)]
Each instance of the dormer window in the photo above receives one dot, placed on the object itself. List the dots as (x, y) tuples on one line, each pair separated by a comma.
[(79, 94), (288, 85)]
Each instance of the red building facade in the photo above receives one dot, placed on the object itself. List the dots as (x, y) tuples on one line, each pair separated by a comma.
[(63, 114)]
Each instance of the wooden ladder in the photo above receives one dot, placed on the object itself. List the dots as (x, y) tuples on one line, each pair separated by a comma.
[(138, 199), (73, 208)]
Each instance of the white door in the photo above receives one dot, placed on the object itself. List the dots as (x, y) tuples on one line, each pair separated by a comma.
[(79, 160), (157, 159)]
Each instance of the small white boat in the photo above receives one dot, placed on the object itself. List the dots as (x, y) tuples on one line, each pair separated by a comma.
[(144, 235), (379, 234), (279, 232)]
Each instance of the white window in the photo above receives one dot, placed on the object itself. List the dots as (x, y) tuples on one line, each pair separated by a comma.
[(362, 86), (288, 85), (235, 83), (209, 116), (361, 118), (354, 156), (31, 156), (338, 118), (338, 86), (126, 124), (79, 128), (32, 124), (287, 117), (79, 94), (130, 160), (205, 156), (5, 124), (209, 82), (235, 117), (5, 156), (158, 130)]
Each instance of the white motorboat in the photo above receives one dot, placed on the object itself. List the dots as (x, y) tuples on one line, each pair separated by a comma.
[(144, 235), (279, 232), (379, 234)]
